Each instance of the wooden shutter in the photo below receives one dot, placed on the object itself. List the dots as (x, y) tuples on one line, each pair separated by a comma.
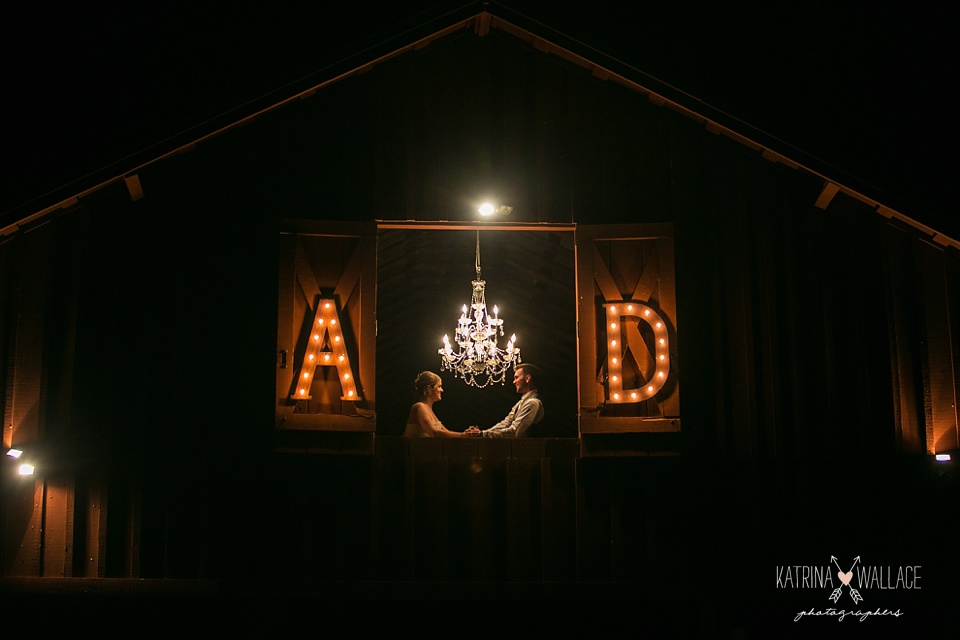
[(326, 333), (629, 380)]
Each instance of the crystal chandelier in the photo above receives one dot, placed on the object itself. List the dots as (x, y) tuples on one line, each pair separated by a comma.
[(478, 359)]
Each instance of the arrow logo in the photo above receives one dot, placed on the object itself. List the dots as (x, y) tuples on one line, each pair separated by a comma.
[(845, 579)]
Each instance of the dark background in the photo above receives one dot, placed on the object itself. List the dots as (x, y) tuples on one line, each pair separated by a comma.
[(861, 87)]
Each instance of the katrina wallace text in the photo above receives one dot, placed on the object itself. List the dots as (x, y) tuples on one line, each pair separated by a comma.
[(868, 577)]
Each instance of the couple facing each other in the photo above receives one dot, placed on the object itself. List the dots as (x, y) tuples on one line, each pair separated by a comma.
[(423, 422)]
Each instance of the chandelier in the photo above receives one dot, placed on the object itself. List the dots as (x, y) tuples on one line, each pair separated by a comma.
[(478, 359)]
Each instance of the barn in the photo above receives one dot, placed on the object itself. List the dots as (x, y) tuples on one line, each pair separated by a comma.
[(748, 360)]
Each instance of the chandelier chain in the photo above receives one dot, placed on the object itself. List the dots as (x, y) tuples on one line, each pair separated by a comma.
[(478, 254)]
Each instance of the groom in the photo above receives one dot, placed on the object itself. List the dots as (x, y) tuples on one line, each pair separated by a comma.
[(526, 413)]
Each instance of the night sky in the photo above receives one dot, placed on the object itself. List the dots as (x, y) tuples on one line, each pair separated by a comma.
[(866, 90)]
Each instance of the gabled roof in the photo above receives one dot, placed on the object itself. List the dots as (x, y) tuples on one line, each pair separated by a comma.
[(481, 19)]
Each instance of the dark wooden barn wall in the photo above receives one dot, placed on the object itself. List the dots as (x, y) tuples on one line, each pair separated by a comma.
[(431, 510), (789, 301), (138, 343)]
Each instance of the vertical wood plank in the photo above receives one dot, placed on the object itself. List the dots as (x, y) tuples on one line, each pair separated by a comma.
[(941, 431), (524, 517), (94, 555), (30, 365), (133, 546), (593, 520), (490, 511), (952, 269), (58, 528), (367, 340), (409, 497), (670, 403), (285, 320), (905, 360), (461, 455), (586, 316), (24, 518), (559, 490)]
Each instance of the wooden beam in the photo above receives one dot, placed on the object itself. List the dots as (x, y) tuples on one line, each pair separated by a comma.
[(134, 188), (482, 27), (826, 195), (601, 275), (628, 425)]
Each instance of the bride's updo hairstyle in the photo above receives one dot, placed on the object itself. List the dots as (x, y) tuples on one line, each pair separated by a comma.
[(424, 380)]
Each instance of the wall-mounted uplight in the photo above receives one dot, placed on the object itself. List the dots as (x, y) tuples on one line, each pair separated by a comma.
[(942, 457), (487, 209), (24, 468)]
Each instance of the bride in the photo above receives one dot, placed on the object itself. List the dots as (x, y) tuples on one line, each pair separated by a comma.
[(422, 421)]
